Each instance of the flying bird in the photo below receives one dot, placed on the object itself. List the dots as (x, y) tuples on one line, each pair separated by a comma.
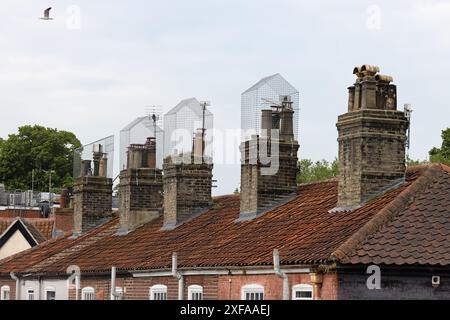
[(47, 14)]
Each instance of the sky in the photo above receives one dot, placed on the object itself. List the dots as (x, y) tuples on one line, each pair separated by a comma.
[(95, 67)]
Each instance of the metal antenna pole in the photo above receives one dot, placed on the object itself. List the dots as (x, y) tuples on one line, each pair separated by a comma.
[(408, 110), (203, 131)]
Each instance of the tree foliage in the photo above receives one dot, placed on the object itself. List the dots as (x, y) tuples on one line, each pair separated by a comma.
[(310, 171), (442, 154), (39, 148)]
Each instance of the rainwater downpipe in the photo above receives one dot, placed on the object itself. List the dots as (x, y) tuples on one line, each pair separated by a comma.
[(278, 272), (114, 294), (15, 278), (177, 275)]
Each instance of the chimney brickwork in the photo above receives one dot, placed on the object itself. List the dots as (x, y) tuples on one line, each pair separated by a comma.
[(140, 187), (92, 202), (260, 191), (187, 188), (372, 137)]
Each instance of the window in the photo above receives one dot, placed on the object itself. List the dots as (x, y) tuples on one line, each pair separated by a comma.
[(30, 294), (50, 293), (4, 293), (252, 292), (302, 292), (88, 293), (158, 292), (195, 292)]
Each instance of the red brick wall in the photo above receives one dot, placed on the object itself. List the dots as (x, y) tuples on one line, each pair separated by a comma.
[(24, 213), (64, 219), (214, 287), (330, 287), (273, 285), (12, 287)]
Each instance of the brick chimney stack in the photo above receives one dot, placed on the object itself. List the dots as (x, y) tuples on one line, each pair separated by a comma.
[(92, 202), (187, 184), (372, 137), (140, 187), (263, 188)]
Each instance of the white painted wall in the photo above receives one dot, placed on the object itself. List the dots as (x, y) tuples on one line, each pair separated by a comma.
[(60, 287), (15, 244)]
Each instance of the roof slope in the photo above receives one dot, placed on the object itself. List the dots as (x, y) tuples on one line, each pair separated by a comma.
[(40, 229), (415, 230), (303, 230)]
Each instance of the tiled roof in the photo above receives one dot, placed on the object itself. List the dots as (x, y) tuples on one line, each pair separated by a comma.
[(414, 230), (41, 229), (304, 230)]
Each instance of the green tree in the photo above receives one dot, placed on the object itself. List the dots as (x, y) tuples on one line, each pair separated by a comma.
[(310, 171), (413, 162), (41, 149), (442, 154)]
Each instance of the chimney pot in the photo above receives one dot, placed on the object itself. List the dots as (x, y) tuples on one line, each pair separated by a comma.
[(371, 140)]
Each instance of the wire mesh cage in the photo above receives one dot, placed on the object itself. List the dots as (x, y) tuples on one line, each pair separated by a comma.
[(180, 125), (259, 97), (86, 152), (136, 133)]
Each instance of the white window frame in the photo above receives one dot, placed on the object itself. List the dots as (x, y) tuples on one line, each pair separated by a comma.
[(195, 289), (3, 290), (302, 287), (87, 291), (30, 291), (157, 289), (49, 289), (252, 289)]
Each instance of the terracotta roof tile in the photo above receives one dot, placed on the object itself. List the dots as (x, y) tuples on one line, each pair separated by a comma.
[(41, 229), (303, 230), (419, 233)]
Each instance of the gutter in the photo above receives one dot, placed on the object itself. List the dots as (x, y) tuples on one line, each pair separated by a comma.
[(15, 278), (281, 274), (177, 275)]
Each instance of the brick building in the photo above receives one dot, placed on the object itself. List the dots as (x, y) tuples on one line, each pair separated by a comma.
[(276, 240)]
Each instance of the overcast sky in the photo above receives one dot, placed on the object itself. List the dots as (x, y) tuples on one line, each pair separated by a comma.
[(96, 76)]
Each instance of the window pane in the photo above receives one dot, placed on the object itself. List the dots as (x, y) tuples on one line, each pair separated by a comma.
[(159, 295), (303, 294), (5, 294), (51, 295), (196, 296)]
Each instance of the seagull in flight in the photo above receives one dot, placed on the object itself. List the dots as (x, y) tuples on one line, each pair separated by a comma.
[(47, 14)]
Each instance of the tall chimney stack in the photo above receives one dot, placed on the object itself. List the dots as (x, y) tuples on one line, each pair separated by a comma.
[(92, 194), (187, 184), (140, 187), (372, 137), (269, 163)]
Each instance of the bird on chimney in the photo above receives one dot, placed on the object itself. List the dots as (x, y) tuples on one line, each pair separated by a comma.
[(47, 14)]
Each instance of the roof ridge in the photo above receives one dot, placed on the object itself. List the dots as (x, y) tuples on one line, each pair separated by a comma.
[(334, 179), (386, 214), (33, 231)]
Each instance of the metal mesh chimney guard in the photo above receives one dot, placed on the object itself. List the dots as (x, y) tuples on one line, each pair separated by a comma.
[(140, 187), (372, 137), (92, 194), (259, 191)]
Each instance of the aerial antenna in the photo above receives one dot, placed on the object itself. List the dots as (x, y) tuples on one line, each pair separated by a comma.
[(284, 102), (408, 110), (204, 104), (154, 117)]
